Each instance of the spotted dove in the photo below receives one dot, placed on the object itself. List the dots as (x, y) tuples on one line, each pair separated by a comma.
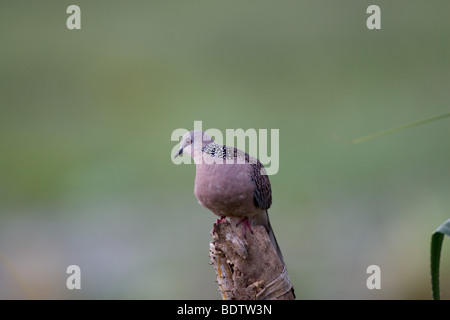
[(229, 182)]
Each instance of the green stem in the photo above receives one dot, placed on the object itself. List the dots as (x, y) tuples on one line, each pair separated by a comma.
[(406, 126)]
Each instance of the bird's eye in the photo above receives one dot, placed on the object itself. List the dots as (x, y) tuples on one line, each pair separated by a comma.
[(188, 141)]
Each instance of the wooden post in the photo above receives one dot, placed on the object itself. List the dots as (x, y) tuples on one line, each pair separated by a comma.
[(248, 268)]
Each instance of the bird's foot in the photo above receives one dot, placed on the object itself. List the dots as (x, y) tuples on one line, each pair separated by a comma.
[(222, 218), (245, 224), (219, 220)]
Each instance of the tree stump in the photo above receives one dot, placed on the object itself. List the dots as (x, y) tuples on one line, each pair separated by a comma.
[(248, 267)]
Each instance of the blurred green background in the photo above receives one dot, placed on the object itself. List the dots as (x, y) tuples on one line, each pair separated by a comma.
[(86, 116)]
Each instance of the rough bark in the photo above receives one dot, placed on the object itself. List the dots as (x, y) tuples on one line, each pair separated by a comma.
[(248, 267)]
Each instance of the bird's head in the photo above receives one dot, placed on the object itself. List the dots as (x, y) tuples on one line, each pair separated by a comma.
[(193, 142)]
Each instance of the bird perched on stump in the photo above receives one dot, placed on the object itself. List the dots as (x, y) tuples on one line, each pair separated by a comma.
[(230, 183)]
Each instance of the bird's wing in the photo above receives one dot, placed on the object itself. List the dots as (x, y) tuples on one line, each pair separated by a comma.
[(262, 196)]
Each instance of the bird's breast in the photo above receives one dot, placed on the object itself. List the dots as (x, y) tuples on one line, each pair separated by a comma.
[(225, 189)]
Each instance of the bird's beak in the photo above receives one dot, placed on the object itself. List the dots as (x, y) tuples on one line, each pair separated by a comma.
[(178, 153)]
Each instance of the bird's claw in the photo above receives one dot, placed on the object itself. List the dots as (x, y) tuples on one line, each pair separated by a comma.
[(219, 220), (245, 224)]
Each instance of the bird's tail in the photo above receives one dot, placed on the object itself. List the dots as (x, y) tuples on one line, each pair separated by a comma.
[(272, 238)]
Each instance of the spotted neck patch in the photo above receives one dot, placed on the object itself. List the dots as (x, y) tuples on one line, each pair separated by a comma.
[(224, 152)]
